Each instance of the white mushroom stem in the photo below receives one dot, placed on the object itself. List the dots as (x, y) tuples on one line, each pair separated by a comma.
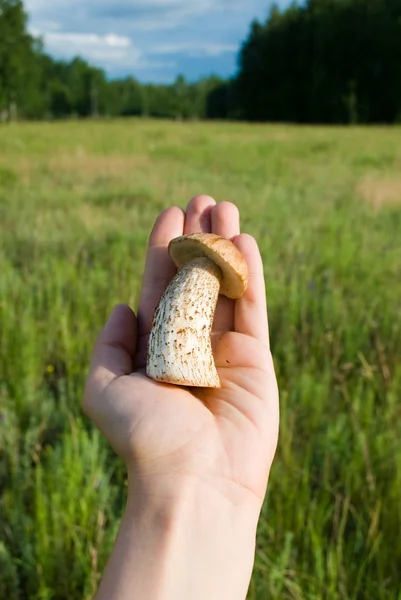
[(180, 350)]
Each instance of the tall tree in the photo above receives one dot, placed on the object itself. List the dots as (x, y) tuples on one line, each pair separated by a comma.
[(16, 54)]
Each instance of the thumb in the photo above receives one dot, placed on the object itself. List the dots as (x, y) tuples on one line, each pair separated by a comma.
[(113, 352)]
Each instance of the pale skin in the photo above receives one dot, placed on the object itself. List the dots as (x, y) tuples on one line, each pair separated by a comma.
[(198, 461)]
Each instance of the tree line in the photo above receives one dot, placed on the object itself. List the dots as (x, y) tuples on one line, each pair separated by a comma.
[(33, 85), (328, 61), (322, 61)]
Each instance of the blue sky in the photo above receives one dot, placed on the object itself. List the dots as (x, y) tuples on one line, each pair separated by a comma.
[(154, 40)]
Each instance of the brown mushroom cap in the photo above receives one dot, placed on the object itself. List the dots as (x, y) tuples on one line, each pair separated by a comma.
[(224, 253)]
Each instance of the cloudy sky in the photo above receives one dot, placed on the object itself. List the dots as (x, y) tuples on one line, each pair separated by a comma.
[(153, 40)]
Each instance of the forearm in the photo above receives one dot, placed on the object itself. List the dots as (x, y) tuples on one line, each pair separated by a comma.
[(195, 545)]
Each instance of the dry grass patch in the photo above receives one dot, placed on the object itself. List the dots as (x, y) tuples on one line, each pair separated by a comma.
[(77, 167), (91, 166), (380, 192)]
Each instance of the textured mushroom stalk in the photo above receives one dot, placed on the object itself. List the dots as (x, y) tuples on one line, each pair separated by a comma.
[(180, 350)]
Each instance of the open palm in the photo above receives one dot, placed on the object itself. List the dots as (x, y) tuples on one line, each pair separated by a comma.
[(224, 437)]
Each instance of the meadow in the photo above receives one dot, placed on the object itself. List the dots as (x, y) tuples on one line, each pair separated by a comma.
[(77, 201)]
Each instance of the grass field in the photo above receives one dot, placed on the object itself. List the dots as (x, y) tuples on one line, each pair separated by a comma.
[(77, 201)]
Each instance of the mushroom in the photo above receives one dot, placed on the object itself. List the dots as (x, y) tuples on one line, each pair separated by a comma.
[(179, 349)]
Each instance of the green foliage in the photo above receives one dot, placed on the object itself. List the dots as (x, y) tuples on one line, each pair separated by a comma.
[(9, 587), (8, 177), (323, 61), (17, 55), (76, 205)]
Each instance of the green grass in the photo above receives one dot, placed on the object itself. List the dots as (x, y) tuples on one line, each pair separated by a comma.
[(77, 201)]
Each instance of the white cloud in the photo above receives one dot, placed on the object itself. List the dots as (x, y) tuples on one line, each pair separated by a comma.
[(118, 41), (102, 50), (85, 40), (109, 51), (202, 48)]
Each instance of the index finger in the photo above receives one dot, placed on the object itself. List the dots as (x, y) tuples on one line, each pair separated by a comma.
[(159, 268)]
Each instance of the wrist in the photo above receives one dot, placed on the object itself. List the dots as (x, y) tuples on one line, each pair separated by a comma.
[(202, 542)]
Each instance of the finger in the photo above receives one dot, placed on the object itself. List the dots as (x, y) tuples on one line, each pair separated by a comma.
[(159, 268), (197, 217), (225, 220), (250, 310), (113, 352)]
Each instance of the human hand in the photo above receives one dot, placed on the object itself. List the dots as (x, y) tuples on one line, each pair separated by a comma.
[(224, 438), (198, 460)]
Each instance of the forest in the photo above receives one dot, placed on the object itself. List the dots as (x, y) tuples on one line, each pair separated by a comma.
[(322, 61)]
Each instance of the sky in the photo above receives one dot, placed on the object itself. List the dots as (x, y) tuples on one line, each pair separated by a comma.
[(153, 40)]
